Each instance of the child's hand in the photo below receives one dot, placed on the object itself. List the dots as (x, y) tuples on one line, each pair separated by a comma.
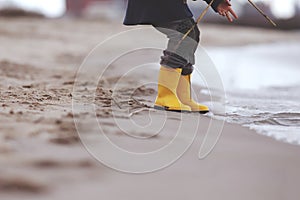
[(225, 9)]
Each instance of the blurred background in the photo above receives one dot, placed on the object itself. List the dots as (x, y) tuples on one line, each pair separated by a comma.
[(285, 13)]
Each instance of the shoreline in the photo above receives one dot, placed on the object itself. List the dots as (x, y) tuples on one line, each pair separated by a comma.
[(41, 154)]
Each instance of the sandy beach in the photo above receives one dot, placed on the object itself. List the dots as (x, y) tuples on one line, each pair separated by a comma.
[(42, 156)]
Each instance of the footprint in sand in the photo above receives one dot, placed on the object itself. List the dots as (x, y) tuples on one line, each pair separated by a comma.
[(20, 184), (48, 164)]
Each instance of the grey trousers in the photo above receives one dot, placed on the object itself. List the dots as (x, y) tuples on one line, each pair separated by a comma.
[(180, 54)]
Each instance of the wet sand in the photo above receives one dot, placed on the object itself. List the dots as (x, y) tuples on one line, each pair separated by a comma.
[(41, 156)]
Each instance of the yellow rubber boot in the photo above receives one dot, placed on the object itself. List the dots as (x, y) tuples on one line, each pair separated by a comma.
[(185, 96), (167, 85)]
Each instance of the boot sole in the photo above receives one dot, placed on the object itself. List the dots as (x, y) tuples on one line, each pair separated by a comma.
[(167, 109), (201, 112), (179, 111)]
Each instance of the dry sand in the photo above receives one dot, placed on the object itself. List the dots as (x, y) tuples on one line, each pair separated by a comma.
[(41, 156)]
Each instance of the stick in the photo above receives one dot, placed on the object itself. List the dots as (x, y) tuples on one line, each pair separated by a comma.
[(199, 18), (197, 22), (116, 102), (262, 13)]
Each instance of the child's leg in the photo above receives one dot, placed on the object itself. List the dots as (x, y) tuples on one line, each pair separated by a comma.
[(180, 56)]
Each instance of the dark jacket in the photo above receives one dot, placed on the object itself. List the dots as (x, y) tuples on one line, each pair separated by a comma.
[(158, 11)]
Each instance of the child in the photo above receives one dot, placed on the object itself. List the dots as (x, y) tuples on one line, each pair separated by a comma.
[(174, 18)]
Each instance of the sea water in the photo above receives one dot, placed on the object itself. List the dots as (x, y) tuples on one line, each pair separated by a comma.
[(262, 85)]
